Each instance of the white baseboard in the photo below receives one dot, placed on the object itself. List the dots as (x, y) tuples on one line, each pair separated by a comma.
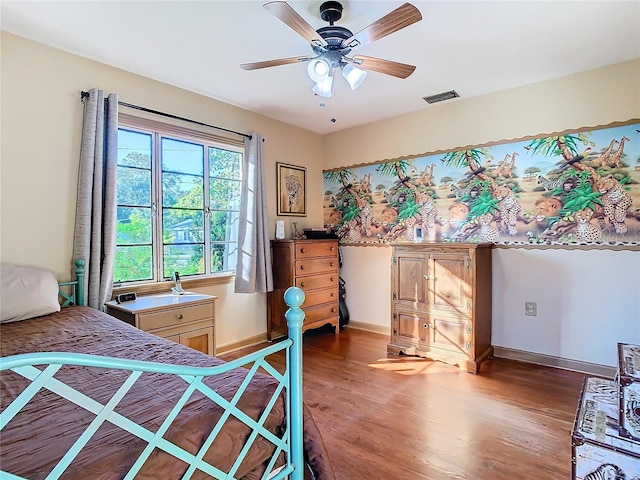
[(557, 362)]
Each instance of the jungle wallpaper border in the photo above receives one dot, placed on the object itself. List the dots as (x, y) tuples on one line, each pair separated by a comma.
[(574, 188)]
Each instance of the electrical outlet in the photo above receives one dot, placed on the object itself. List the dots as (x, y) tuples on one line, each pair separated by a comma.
[(531, 309)]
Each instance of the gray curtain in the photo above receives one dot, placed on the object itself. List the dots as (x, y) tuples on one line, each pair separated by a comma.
[(94, 237), (253, 267)]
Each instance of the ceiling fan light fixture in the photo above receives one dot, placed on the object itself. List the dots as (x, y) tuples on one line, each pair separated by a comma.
[(353, 75), (323, 88), (319, 69)]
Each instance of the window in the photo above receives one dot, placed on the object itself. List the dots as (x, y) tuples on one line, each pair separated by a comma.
[(178, 202)]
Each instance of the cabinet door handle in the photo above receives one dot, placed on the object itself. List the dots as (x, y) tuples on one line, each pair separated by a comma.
[(179, 316), (427, 277)]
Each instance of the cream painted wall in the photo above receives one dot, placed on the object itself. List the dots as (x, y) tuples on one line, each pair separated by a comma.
[(587, 300), (41, 117)]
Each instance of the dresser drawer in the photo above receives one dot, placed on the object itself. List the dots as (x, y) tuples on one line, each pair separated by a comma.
[(174, 316), (316, 265), (317, 281), (317, 297), (313, 314), (320, 249)]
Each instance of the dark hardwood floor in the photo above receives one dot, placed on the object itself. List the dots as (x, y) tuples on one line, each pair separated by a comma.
[(410, 418)]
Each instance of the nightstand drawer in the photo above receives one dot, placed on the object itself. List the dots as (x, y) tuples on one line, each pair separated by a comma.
[(175, 316), (317, 281), (320, 249), (318, 297), (308, 266)]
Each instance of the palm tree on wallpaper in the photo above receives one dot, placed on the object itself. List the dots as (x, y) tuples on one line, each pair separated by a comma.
[(403, 195), (575, 186), (477, 186), (346, 195)]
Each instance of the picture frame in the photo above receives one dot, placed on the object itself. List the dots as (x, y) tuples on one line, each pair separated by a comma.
[(291, 190)]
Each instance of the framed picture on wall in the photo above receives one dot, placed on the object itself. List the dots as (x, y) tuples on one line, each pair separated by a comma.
[(291, 189)]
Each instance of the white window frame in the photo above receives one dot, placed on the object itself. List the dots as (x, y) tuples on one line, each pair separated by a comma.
[(158, 130)]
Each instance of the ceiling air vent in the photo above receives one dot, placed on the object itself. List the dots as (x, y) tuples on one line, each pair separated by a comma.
[(441, 97)]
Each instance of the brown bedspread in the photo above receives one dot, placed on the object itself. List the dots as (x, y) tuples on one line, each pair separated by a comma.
[(33, 441)]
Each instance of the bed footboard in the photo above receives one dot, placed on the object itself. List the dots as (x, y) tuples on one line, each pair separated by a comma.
[(40, 369)]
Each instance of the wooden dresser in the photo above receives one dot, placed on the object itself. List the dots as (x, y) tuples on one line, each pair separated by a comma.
[(311, 265), (441, 302), (187, 319)]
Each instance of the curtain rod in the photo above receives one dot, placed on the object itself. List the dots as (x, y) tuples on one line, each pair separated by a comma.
[(84, 95)]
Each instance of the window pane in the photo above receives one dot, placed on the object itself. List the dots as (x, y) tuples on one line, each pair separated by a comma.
[(186, 259), (134, 186), (134, 149), (223, 256), (184, 191), (182, 157), (133, 226), (224, 163), (182, 226), (133, 263), (224, 226), (225, 194)]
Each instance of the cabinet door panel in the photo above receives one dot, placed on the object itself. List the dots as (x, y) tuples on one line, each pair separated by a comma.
[(411, 329), (409, 283), (201, 340), (450, 283), (449, 334)]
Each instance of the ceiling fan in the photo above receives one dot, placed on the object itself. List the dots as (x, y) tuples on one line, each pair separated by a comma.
[(333, 44)]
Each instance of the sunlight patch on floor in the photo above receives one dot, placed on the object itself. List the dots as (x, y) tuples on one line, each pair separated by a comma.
[(413, 366)]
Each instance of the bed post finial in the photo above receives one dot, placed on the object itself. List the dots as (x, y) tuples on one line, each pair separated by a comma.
[(294, 297), (79, 263)]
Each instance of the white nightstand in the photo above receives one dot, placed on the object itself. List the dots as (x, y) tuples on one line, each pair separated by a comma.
[(187, 319)]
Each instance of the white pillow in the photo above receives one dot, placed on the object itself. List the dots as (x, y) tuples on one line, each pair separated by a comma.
[(26, 292)]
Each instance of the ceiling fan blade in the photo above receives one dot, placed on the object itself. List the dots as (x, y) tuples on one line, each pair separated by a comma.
[(288, 15), (274, 63), (388, 67), (401, 17)]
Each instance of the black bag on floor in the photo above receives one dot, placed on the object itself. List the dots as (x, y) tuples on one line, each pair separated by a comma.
[(344, 312)]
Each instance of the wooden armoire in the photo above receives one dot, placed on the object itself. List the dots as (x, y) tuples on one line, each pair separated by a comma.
[(312, 265), (441, 302)]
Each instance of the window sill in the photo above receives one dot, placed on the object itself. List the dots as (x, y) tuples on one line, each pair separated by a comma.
[(159, 287)]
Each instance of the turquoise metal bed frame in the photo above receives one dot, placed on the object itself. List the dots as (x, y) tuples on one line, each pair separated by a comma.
[(291, 442)]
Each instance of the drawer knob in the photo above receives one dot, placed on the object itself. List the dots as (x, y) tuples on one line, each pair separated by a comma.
[(333, 279), (332, 248), (302, 250), (302, 284), (331, 264), (179, 316), (333, 310), (301, 267), (333, 294), (425, 325)]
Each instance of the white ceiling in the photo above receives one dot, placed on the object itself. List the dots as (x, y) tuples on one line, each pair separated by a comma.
[(475, 47)]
